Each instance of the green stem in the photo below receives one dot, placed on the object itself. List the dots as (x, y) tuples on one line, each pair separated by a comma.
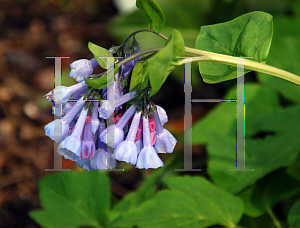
[(138, 54), (273, 217), (248, 64), (226, 59), (147, 30)]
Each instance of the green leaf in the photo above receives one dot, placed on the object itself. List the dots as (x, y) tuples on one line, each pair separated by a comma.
[(153, 13), (160, 65), (271, 138), (294, 215), (144, 193), (99, 83), (249, 35), (267, 192), (139, 77), (71, 199), (294, 170), (99, 52), (190, 202)]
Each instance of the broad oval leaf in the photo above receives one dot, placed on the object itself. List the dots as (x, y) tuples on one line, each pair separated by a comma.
[(249, 35), (263, 115), (160, 65), (71, 199), (267, 192), (294, 215), (100, 53), (153, 13), (191, 202)]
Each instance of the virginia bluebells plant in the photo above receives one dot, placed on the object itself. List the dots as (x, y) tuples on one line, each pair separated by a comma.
[(136, 135)]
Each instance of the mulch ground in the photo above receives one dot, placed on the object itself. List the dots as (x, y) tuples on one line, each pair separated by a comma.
[(30, 31)]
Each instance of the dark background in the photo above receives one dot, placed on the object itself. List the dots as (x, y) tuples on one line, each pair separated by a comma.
[(30, 31)]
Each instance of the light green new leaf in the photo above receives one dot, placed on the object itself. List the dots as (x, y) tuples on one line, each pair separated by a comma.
[(71, 199), (279, 146), (100, 53), (153, 13), (191, 202), (160, 65), (139, 77), (99, 83), (294, 215), (249, 35), (267, 192)]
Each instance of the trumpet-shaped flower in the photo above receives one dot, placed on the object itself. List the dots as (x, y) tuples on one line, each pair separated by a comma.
[(105, 112), (60, 93), (114, 134), (165, 141), (63, 122), (148, 157), (102, 158), (84, 164), (70, 147), (88, 144), (139, 145), (95, 121), (127, 150), (82, 68), (162, 115)]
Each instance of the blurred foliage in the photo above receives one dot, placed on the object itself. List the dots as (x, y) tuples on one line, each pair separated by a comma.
[(231, 199)]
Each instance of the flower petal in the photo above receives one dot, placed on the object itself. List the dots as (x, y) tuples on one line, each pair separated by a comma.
[(112, 136), (165, 142), (148, 158), (70, 148), (126, 151)]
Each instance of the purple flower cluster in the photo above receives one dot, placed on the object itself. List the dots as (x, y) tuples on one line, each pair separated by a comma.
[(136, 136)]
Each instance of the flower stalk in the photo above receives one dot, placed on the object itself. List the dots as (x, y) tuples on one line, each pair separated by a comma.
[(198, 55)]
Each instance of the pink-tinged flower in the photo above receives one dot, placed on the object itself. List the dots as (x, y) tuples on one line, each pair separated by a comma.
[(165, 141), (118, 116), (148, 157), (88, 144), (127, 150), (82, 68), (151, 124), (70, 147), (114, 134), (139, 131)]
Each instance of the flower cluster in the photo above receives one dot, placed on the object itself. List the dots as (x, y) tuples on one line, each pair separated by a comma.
[(84, 134)]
